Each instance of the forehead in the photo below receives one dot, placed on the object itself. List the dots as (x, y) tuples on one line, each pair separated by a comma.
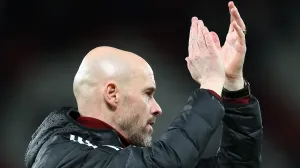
[(151, 80), (145, 77)]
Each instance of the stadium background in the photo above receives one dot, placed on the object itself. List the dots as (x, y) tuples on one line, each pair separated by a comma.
[(43, 43)]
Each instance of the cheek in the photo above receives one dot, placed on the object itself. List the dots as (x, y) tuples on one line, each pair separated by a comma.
[(146, 103), (139, 104), (141, 108), (140, 101)]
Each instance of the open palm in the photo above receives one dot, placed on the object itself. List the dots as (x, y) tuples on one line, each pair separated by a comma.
[(233, 51), (234, 48)]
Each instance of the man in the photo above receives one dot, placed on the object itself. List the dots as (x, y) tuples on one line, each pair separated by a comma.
[(116, 110)]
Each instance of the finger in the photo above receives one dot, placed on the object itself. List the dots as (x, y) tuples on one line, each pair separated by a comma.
[(231, 29), (193, 35), (230, 6), (208, 39), (193, 29), (240, 33), (234, 13), (188, 63), (216, 39), (201, 39)]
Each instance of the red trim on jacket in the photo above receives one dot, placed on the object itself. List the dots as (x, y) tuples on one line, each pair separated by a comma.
[(215, 94), (243, 100), (98, 124)]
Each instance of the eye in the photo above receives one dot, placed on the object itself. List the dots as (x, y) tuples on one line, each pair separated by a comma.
[(149, 93)]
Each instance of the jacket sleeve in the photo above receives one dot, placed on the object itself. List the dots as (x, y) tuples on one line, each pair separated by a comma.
[(182, 143), (241, 139)]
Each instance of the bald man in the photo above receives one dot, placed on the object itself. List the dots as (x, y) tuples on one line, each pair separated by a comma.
[(112, 125), (106, 74)]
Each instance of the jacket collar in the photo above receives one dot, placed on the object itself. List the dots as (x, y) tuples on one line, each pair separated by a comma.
[(97, 127), (98, 124)]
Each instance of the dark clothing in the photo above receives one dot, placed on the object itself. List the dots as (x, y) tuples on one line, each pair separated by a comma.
[(61, 141), (98, 124)]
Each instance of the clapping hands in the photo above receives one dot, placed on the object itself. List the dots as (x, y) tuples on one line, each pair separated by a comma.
[(207, 57)]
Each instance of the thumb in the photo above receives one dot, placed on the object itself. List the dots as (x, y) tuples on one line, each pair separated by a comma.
[(188, 63), (216, 39)]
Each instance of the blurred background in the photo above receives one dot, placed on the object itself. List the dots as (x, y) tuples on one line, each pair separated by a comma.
[(43, 43)]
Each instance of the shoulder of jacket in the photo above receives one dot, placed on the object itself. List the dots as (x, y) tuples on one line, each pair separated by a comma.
[(77, 141), (61, 149)]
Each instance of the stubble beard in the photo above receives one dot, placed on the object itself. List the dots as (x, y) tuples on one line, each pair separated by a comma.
[(134, 128)]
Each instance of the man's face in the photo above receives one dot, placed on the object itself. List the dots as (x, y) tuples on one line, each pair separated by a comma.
[(139, 110)]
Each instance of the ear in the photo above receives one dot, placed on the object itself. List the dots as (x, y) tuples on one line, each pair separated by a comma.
[(111, 95)]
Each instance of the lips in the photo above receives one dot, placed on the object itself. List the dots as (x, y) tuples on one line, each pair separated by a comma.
[(151, 123)]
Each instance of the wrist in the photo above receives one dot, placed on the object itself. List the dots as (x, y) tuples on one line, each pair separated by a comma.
[(245, 92), (234, 84), (214, 85)]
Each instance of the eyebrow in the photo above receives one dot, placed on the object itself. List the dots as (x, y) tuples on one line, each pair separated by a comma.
[(151, 88)]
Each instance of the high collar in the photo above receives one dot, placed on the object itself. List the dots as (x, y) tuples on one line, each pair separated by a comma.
[(98, 124)]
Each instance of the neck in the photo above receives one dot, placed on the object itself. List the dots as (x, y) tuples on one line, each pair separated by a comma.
[(98, 123), (103, 115)]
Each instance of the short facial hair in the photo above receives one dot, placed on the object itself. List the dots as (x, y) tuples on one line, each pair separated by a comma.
[(134, 128)]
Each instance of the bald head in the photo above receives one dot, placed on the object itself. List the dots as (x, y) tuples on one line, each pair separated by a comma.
[(117, 87), (102, 65)]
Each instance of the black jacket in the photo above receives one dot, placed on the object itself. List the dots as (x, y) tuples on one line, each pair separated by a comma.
[(62, 142)]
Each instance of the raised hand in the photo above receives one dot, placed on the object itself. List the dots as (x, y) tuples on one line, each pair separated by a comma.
[(233, 50), (204, 61)]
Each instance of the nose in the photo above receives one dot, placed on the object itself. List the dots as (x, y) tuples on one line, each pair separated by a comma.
[(155, 109)]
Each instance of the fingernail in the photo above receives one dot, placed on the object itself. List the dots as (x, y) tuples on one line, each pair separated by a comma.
[(194, 19)]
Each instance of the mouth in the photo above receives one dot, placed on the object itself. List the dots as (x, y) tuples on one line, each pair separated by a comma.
[(151, 123), (150, 127)]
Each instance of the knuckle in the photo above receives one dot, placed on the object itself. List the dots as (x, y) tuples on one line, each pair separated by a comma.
[(208, 42), (206, 33)]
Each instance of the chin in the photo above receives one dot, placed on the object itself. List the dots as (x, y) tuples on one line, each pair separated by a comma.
[(142, 141), (148, 141)]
